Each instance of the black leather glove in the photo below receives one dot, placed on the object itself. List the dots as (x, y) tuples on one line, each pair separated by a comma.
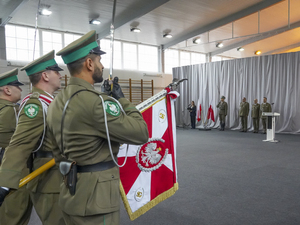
[(117, 91), (106, 87), (3, 194)]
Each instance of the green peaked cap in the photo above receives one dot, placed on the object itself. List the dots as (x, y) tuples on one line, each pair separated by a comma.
[(80, 48), (46, 62), (10, 78)]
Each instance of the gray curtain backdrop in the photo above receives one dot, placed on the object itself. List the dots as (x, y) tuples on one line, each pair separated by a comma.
[(276, 77)]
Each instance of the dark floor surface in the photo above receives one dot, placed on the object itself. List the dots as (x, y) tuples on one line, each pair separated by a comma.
[(228, 178)]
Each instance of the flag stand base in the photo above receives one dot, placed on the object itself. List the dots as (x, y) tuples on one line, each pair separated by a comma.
[(204, 129)]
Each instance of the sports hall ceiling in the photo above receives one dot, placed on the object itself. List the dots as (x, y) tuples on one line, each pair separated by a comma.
[(272, 26)]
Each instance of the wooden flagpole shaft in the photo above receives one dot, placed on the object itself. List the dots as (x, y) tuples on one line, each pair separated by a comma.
[(37, 172)]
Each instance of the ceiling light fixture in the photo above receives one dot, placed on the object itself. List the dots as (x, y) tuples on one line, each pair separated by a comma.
[(95, 22), (258, 52), (240, 49), (45, 12), (135, 29), (219, 45), (167, 36), (197, 40)]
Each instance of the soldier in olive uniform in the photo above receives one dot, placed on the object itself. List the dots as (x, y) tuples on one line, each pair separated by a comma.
[(85, 140), (243, 113), (255, 116), (222, 105), (264, 107), (17, 207), (29, 141)]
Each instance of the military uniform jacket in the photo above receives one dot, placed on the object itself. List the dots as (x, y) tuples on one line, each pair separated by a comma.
[(222, 108), (8, 119), (85, 141), (25, 140), (255, 111), (244, 109), (265, 107)]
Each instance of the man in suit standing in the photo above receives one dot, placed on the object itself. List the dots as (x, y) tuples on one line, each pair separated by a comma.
[(264, 107), (222, 106), (255, 116), (243, 113)]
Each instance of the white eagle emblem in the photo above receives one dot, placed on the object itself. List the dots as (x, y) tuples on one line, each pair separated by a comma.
[(113, 108), (31, 111), (151, 154)]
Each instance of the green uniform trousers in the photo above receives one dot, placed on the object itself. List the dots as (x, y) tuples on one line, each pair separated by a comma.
[(16, 208), (47, 208), (222, 118), (99, 219), (264, 123), (255, 124), (244, 120)]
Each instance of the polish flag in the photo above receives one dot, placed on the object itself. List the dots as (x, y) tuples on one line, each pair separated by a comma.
[(199, 111), (210, 114)]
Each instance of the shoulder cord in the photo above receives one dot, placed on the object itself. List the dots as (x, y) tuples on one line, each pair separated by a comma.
[(105, 121), (44, 120)]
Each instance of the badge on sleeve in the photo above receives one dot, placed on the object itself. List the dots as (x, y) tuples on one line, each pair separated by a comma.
[(112, 108), (31, 110)]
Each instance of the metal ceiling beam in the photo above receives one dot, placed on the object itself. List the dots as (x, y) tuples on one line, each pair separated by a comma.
[(283, 49), (134, 12), (9, 10), (221, 22), (256, 38)]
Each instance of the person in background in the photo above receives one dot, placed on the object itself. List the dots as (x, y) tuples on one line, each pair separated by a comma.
[(264, 107), (223, 107), (192, 110), (255, 116), (243, 113)]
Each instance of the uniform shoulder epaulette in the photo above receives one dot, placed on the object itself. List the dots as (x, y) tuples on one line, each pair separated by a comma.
[(35, 95)]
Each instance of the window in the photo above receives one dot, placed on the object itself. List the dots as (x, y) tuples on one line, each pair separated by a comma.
[(20, 43), (69, 38), (171, 60), (197, 58), (148, 58), (130, 56), (117, 57), (216, 58), (185, 58)]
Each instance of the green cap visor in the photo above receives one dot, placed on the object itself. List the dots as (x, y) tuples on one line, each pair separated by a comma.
[(8, 80), (40, 67), (80, 53)]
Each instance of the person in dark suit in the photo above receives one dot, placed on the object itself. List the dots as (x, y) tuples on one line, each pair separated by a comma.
[(192, 109)]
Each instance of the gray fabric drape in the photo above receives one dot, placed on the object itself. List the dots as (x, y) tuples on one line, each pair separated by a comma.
[(276, 77)]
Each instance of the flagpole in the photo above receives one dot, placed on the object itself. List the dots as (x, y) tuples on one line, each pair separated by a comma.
[(112, 31)]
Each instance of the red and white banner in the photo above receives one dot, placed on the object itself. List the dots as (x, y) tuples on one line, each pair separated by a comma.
[(210, 114), (150, 174), (199, 111)]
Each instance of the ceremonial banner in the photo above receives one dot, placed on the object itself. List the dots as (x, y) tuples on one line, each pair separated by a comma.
[(210, 114), (199, 111), (150, 174)]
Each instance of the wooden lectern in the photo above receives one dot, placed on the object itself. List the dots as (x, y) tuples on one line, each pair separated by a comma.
[(271, 125)]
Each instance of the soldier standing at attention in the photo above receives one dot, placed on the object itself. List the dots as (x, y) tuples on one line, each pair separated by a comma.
[(264, 107), (243, 113), (29, 140), (222, 105), (17, 207), (255, 116), (88, 140)]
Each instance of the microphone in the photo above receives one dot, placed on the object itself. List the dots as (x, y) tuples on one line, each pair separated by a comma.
[(272, 103)]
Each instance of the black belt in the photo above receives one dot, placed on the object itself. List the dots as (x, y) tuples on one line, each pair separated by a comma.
[(96, 167), (43, 154)]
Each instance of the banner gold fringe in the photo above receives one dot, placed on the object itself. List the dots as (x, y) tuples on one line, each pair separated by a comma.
[(149, 205)]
